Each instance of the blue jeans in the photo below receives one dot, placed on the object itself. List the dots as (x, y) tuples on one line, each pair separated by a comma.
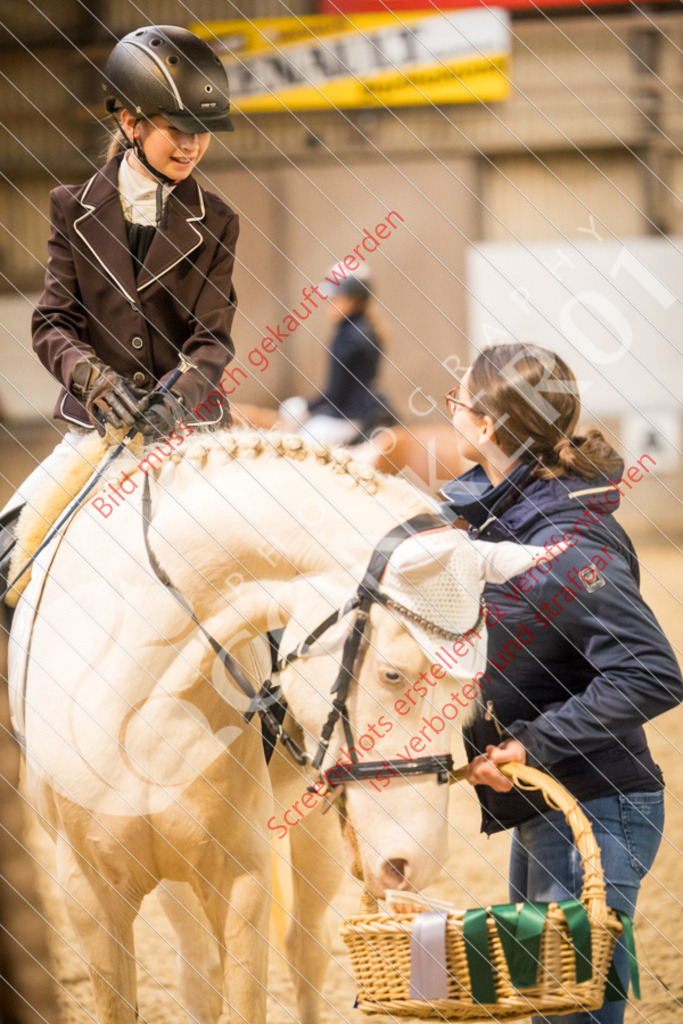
[(545, 866)]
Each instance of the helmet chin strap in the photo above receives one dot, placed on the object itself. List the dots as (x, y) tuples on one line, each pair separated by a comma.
[(162, 178), (133, 144)]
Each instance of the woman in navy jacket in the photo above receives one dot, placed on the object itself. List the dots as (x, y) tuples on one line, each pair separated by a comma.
[(577, 662)]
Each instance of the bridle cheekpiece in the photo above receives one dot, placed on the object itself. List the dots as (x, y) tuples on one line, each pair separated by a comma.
[(355, 643)]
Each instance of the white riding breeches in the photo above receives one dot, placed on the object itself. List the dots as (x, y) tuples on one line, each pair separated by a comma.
[(48, 469)]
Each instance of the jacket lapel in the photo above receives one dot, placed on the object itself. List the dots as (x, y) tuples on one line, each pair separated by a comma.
[(177, 235), (101, 227)]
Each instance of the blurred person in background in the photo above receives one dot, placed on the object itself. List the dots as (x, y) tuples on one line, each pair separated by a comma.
[(577, 662), (350, 409)]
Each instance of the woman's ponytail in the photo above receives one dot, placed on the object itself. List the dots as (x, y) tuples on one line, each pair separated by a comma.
[(533, 399), (587, 456)]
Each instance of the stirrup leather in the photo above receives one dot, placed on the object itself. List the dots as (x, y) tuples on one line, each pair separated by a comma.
[(7, 541)]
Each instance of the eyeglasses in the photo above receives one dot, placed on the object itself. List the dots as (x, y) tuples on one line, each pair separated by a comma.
[(452, 402)]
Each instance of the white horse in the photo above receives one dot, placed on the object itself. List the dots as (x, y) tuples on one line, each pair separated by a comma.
[(138, 755)]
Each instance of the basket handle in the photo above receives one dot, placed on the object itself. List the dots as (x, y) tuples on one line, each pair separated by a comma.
[(557, 797)]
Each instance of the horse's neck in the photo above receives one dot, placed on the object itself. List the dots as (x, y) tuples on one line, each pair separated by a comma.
[(279, 523), (338, 523)]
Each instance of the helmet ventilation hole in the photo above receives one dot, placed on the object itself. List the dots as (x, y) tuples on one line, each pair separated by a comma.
[(173, 59), (208, 88)]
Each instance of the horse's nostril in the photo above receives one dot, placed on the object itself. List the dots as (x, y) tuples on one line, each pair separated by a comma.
[(395, 872)]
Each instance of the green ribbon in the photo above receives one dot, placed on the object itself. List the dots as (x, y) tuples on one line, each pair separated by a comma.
[(614, 989), (478, 961), (580, 931), (520, 936)]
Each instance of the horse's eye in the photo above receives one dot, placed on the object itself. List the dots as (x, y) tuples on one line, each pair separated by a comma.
[(390, 675)]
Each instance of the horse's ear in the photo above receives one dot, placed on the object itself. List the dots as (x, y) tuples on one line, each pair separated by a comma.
[(500, 562)]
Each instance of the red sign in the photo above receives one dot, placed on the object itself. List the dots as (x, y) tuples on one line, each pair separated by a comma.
[(360, 6)]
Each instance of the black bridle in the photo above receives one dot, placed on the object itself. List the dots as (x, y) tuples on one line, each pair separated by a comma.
[(355, 645)]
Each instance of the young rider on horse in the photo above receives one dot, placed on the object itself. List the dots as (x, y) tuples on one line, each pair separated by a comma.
[(140, 257)]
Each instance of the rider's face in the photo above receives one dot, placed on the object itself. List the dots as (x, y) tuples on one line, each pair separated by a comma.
[(170, 151)]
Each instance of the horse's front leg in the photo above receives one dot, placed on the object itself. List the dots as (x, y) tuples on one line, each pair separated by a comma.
[(231, 878), (236, 903), (246, 944), (103, 918), (200, 979), (316, 851)]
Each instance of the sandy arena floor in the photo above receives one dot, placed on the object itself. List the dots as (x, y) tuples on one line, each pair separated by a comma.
[(475, 871)]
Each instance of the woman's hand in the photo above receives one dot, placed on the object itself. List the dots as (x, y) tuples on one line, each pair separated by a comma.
[(483, 772)]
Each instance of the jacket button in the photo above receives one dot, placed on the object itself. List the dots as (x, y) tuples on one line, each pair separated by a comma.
[(137, 342), (139, 377)]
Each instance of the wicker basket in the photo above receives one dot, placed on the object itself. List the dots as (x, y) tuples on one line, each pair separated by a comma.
[(380, 945)]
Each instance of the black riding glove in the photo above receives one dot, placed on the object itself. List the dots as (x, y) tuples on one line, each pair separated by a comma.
[(108, 398), (160, 413)]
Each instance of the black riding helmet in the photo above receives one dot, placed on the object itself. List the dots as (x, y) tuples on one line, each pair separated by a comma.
[(166, 70)]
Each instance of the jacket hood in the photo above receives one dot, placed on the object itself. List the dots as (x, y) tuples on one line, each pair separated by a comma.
[(518, 501)]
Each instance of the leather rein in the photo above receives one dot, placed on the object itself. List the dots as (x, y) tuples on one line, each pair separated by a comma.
[(355, 645)]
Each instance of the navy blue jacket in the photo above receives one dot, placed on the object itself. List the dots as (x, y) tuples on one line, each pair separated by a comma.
[(355, 357), (576, 659)]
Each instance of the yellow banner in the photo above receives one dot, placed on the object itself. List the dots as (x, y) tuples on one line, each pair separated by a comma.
[(368, 60)]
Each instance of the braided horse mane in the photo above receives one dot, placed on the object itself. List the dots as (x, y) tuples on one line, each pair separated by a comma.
[(238, 444), (242, 445)]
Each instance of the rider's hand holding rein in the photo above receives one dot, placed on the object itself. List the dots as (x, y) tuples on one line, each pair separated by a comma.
[(107, 396), (161, 412), (109, 399)]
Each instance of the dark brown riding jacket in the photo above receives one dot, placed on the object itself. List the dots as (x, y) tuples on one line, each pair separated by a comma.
[(182, 300)]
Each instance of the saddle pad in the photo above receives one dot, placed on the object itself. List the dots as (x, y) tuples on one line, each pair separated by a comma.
[(45, 507), (20, 640)]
